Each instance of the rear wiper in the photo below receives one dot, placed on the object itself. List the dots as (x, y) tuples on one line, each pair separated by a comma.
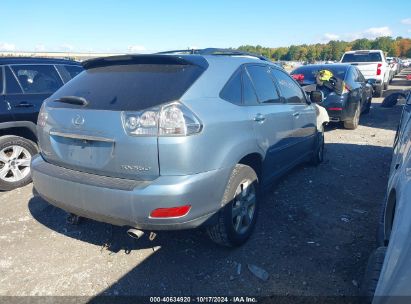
[(75, 100)]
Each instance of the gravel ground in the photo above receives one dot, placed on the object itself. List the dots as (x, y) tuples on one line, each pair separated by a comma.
[(315, 231)]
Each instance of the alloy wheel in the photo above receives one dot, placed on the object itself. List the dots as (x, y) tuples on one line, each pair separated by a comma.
[(14, 163), (357, 115), (243, 208)]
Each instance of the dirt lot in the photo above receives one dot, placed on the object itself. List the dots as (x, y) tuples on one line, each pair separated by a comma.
[(315, 231)]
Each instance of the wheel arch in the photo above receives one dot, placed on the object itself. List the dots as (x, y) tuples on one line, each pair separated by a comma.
[(255, 161), (25, 129)]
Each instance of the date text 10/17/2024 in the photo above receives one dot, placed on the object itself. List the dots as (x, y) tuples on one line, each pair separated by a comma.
[(203, 299)]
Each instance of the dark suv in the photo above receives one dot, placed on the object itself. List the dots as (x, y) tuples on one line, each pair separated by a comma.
[(24, 84)]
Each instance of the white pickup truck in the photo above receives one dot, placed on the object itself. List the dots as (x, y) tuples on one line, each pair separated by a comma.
[(373, 65)]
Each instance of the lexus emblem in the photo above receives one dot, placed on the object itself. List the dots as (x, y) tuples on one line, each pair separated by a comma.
[(78, 120)]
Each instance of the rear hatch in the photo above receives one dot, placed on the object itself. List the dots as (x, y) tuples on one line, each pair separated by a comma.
[(81, 126)]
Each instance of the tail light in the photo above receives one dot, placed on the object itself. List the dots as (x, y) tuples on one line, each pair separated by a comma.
[(173, 119), (298, 77), (379, 69), (335, 109), (43, 115), (345, 88)]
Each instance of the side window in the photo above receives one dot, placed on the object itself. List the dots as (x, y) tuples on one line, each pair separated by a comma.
[(291, 91), (12, 86), (249, 95), (356, 76), (351, 77), (232, 90), (37, 78), (73, 70), (263, 83), (68, 72), (360, 76)]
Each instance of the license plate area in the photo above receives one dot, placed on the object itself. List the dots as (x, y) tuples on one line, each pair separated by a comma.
[(82, 152)]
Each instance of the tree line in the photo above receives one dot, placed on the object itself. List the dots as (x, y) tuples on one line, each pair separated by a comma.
[(333, 50)]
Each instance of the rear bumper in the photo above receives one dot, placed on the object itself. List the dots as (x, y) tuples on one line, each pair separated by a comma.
[(347, 113), (378, 79), (131, 202)]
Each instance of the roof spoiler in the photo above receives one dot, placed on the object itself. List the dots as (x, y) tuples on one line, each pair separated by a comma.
[(217, 51), (145, 59)]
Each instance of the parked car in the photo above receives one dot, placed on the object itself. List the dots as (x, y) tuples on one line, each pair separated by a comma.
[(396, 64), (393, 67), (345, 106), (389, 269), (174, 141), (400, 64), (373, 65), (406, 63), (24, 84)]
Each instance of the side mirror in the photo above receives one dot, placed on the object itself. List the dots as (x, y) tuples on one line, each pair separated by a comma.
[(317, 96), (371, 81)]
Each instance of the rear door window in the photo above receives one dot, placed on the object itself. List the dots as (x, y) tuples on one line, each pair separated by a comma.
[(356, 76), (68, 72), (249, 95), (263, 83), (291, 91), (232, 90), (38, 79), (12, 86), (360, 76), (351, 77), (130, 87)]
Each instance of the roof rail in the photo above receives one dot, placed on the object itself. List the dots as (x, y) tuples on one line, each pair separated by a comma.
[(216, 51)]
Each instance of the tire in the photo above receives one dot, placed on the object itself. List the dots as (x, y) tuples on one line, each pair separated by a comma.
[(353, 124), (368, 106), (378, 91), (380, 235), (15, 156), (392, 99), (372, 274), (385, 86), (239, 209), (318, 156)]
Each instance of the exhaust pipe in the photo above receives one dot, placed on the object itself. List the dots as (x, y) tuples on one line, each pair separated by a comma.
[(135, 233)]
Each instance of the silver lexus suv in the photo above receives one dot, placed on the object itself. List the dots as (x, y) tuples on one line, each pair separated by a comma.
[(174, 140)]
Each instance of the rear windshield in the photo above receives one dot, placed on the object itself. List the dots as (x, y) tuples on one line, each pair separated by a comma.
[(129, 87), (310, 72), (362, 57)]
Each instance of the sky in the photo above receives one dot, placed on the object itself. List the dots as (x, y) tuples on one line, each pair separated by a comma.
[(147, 26)]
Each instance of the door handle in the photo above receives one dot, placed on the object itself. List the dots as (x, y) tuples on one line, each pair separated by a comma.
[(296, 114), (259, 118), (24, 104)]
